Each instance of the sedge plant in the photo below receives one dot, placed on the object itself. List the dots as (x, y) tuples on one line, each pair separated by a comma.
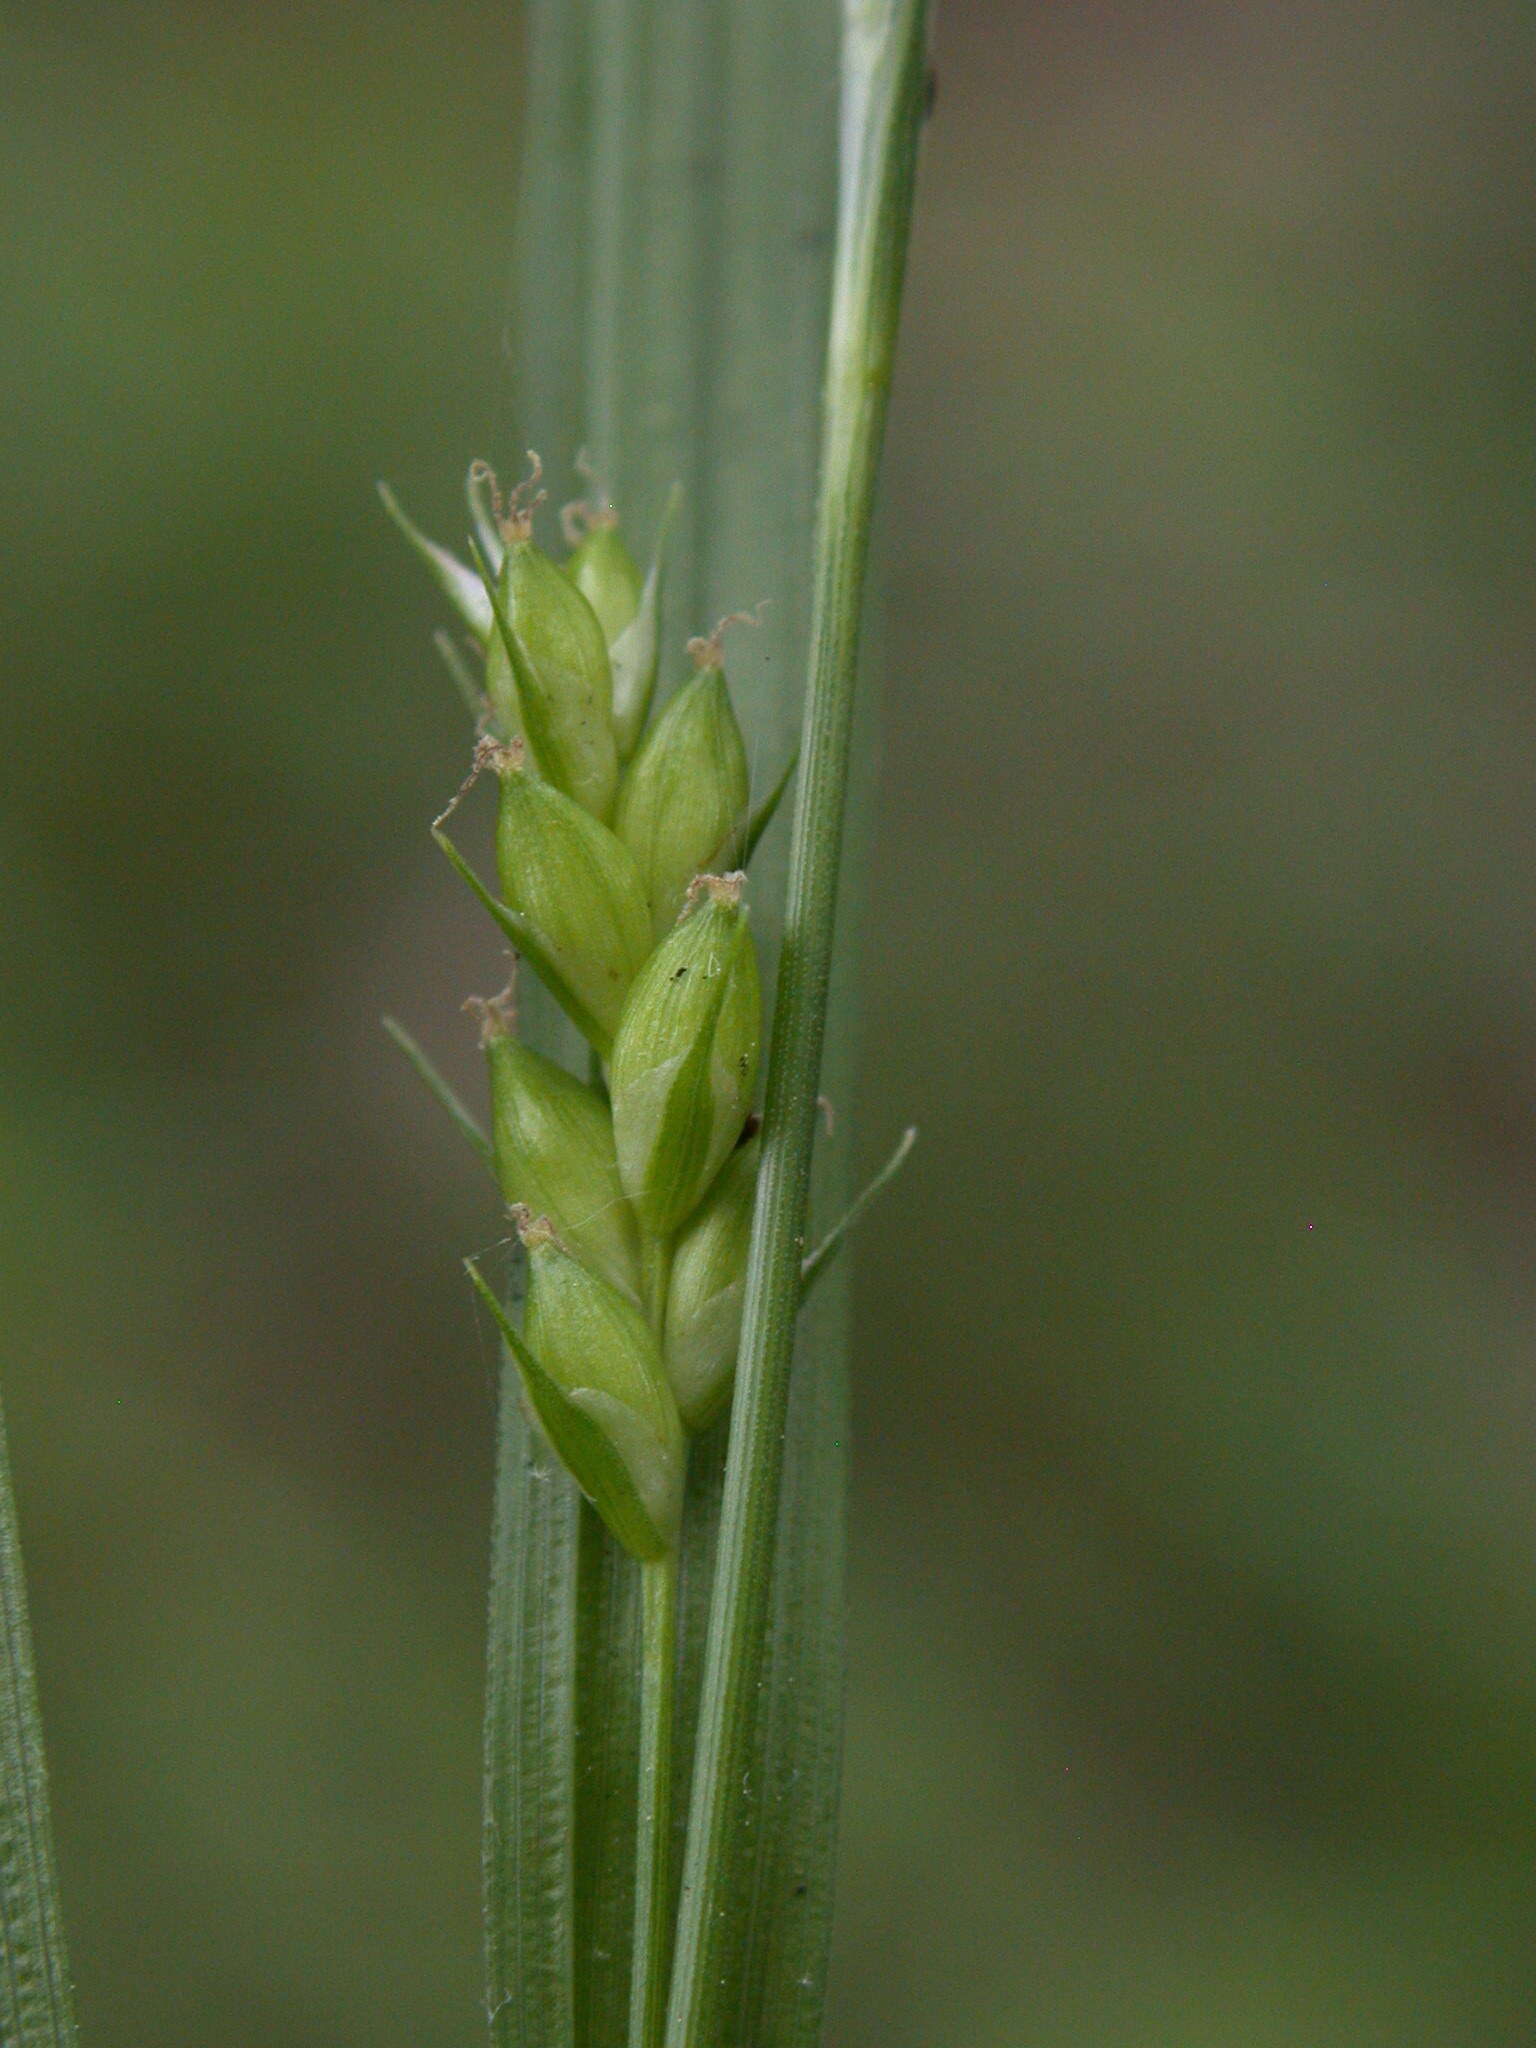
[(664, 1235), (651, 1598)]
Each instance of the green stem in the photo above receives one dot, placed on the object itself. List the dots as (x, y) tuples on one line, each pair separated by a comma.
[(36, 2010), (653, 1818), (883, 90), (658, 1681)]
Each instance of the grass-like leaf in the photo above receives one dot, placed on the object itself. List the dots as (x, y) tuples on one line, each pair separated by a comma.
[(607, 1744), (673, 290), (883, 91), (36, 2006), (530, 1760)]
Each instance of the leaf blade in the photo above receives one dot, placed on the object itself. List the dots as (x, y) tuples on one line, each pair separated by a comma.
[(883, 83), (538, 1510), (527, 1858), (36, 2000), (674, 294)]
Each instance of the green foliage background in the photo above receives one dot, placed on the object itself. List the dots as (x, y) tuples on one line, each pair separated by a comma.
[(1195, 1626)]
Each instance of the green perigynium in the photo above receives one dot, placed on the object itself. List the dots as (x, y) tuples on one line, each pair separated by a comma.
[(684, 1059), (604, 571), (560, 677), (634, 646), (553, 1142), (709, 1270), (595, 1344), (684, 797), (627, 607), (574, 890), (558, 655), (593, 1376)]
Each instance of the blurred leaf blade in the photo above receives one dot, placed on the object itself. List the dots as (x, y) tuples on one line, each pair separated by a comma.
[(36, 2004)]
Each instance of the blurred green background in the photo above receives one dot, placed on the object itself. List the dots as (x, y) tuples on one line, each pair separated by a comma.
[(1194, 1637)]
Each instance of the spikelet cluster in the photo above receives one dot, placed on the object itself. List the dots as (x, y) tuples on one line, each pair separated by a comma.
[(619, 847)]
